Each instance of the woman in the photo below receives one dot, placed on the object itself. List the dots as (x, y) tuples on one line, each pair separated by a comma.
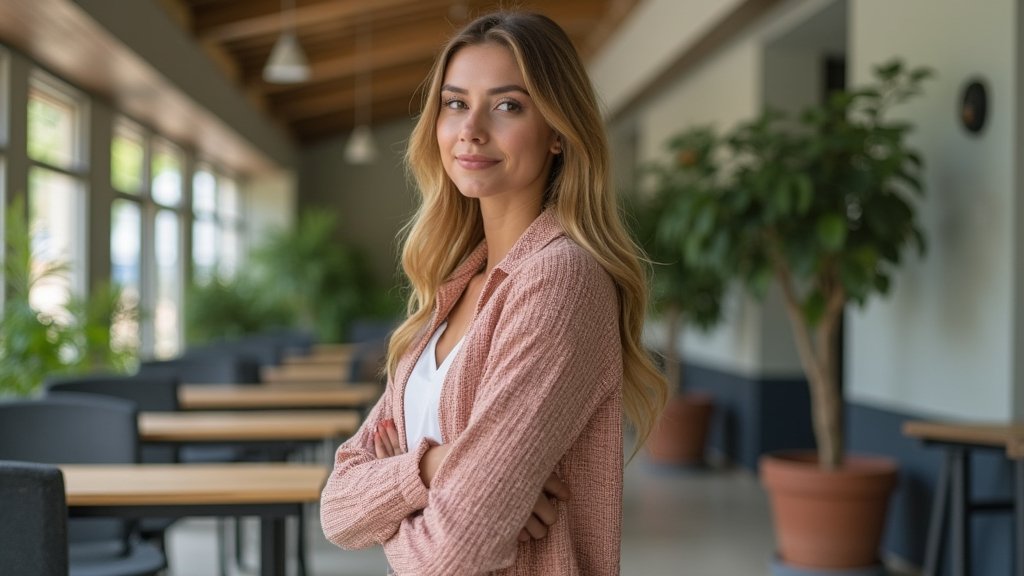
[(497, 445)]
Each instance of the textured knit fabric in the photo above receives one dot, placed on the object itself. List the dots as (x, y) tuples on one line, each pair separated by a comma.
[(536, 388)]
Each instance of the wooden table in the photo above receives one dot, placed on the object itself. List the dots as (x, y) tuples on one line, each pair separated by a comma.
[(307, 372), (259, 426), (270, 491), (276, 396), (954, 487)]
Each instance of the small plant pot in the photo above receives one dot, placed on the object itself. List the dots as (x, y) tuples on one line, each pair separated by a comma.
[(681, 432), (828, 519)]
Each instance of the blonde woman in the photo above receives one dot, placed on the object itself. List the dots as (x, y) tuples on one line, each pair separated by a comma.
[(497, 445)]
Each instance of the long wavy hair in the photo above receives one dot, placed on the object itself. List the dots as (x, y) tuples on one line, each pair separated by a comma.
[(579, 192)]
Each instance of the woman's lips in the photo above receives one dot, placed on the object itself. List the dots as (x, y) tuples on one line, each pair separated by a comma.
[(475, 161)]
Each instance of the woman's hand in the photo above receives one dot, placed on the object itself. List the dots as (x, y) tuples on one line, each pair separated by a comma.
[(385, 440), (431, 461), (544, 511)]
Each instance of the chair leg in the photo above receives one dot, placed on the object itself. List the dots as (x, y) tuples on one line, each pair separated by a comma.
[(222, 546), (301, 537)]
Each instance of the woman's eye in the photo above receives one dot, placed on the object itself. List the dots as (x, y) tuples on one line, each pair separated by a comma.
[(454, 104), (510, 106)]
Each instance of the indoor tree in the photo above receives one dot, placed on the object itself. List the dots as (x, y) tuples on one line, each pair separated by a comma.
[(823, 204)]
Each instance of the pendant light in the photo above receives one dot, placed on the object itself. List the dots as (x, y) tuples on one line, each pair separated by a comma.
[(360, 148), (287, 63)]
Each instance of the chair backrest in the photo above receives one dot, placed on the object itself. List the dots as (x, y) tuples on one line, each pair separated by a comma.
[(149, 393), (33, 533), (223, 367), (72, 428)]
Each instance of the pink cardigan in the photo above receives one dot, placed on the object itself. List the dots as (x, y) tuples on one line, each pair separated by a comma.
[(536, 388)]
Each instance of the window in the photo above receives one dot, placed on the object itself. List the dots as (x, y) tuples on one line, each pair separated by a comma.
[(204, 226), (145, 237), (56, 190), (167, 270), (128, 159), (126, 266), (229, 213), (217, 232)]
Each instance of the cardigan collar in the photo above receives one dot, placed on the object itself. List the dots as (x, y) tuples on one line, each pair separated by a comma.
[(537, 235)]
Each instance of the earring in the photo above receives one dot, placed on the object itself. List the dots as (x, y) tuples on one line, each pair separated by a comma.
[(556, 148)]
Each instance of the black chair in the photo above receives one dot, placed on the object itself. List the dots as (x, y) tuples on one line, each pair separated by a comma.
[(206, 366), (83, 429), (149, 394), (34, 531)]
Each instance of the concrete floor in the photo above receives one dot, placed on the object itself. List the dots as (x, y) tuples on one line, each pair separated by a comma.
[(704, 523)]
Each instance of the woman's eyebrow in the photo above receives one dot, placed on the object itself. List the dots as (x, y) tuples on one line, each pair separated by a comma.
[(490, 91)]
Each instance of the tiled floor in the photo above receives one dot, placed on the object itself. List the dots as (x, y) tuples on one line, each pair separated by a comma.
[(707, 523)]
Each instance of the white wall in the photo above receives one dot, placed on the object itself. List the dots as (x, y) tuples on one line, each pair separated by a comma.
[(655, 33), (943, 343)]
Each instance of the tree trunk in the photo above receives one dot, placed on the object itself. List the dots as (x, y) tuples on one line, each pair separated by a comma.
[(818, 356)]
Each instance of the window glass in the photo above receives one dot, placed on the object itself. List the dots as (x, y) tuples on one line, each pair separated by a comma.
[(204, 193), (230, 248), (228, 202), (52, 127), (126, 266), (127, 160), (166, 175), (56, 232), (204, 249), (168, 282), (204, 227)]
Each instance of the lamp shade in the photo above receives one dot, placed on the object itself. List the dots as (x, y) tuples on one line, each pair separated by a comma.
[(360, 148), (287, 63)]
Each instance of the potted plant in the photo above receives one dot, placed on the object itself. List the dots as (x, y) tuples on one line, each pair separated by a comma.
[(682, 292), (823, 204)]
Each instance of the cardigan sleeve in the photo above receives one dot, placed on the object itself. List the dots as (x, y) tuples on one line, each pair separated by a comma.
[(555, 356), (365, 499)]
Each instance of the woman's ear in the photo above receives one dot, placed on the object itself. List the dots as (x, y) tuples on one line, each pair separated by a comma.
[(556, 146)]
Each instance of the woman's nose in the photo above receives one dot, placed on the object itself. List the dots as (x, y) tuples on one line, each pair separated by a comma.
[(474, 128)]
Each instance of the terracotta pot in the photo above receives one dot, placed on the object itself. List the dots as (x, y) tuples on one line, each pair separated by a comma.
[(679, 436), (828, 519)]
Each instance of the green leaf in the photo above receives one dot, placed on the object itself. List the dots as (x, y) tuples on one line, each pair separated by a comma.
[(813, 307), (832, 231)]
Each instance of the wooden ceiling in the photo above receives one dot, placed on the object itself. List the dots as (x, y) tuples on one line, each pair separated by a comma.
[(404, 38)]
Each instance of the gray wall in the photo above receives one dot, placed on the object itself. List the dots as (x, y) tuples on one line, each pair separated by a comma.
[(372, 202)]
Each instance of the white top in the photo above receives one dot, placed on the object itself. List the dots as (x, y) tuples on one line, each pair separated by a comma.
[(423, 393)]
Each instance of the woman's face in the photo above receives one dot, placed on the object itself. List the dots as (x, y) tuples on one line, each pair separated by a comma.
[(492, 138)]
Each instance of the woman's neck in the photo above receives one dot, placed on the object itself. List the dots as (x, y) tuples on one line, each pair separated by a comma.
[(503, 225)]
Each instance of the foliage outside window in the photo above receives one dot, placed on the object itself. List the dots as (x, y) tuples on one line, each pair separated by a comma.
[(127, 160), (56, 193)]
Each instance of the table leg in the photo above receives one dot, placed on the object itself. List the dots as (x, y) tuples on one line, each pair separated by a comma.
[(937, 525), (1018, 512), (961, 489), (272, 550)]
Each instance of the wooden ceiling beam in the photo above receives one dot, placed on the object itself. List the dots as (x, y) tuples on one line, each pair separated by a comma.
[(233, 21)]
